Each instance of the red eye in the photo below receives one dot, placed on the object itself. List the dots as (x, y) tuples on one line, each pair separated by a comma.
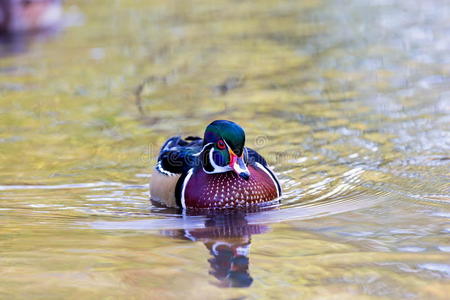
[(221, 145)]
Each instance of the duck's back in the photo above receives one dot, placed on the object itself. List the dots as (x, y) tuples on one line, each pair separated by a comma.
[(176, 157)]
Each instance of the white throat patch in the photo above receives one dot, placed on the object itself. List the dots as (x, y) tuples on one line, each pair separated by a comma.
[(217, 168)]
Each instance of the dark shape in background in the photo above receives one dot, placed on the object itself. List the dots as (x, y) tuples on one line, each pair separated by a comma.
[(26, 21)]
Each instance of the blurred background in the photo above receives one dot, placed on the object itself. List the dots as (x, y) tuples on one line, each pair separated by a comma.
[(348, 101)]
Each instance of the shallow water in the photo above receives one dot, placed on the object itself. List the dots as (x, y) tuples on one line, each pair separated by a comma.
[(349, 102)]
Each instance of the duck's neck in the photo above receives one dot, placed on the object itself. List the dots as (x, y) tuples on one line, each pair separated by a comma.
[(208, 164)]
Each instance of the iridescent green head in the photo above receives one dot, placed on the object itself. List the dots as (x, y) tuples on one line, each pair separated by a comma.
[(229, 132), (224, 148)]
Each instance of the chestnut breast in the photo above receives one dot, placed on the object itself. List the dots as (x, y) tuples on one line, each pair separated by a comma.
[(229, 190)]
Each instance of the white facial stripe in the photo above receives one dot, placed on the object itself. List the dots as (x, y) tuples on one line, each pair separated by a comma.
[(183, 190), (217, 244), (268, 172), (228, 147), (200, 152), (217, 168)]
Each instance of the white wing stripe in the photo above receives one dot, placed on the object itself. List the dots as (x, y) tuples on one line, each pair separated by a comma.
[(183, 190), (271, 175), (160, 169)]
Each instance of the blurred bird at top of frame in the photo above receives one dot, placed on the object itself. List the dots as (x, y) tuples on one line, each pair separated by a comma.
[(19, 16)]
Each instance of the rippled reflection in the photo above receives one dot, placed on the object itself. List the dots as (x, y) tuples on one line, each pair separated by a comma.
[(228, 239)]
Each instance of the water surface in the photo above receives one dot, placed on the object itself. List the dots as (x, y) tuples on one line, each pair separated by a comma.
[(349, 102)]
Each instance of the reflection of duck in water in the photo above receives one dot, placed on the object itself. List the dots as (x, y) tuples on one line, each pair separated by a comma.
[(18, 16), (228, 239)]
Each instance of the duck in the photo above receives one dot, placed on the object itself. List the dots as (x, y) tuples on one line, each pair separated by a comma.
[(214, 172), (21, 16)]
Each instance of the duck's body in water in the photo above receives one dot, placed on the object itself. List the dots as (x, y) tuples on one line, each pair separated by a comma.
[(217, 171)]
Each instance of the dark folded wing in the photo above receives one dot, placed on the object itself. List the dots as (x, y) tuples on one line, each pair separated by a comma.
[(178, 155), (254, 157)]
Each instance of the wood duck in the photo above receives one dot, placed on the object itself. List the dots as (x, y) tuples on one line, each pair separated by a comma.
[(18, 16), (215, 172)]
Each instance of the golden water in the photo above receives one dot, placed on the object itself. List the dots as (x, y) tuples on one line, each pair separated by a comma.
[(349, 102)]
